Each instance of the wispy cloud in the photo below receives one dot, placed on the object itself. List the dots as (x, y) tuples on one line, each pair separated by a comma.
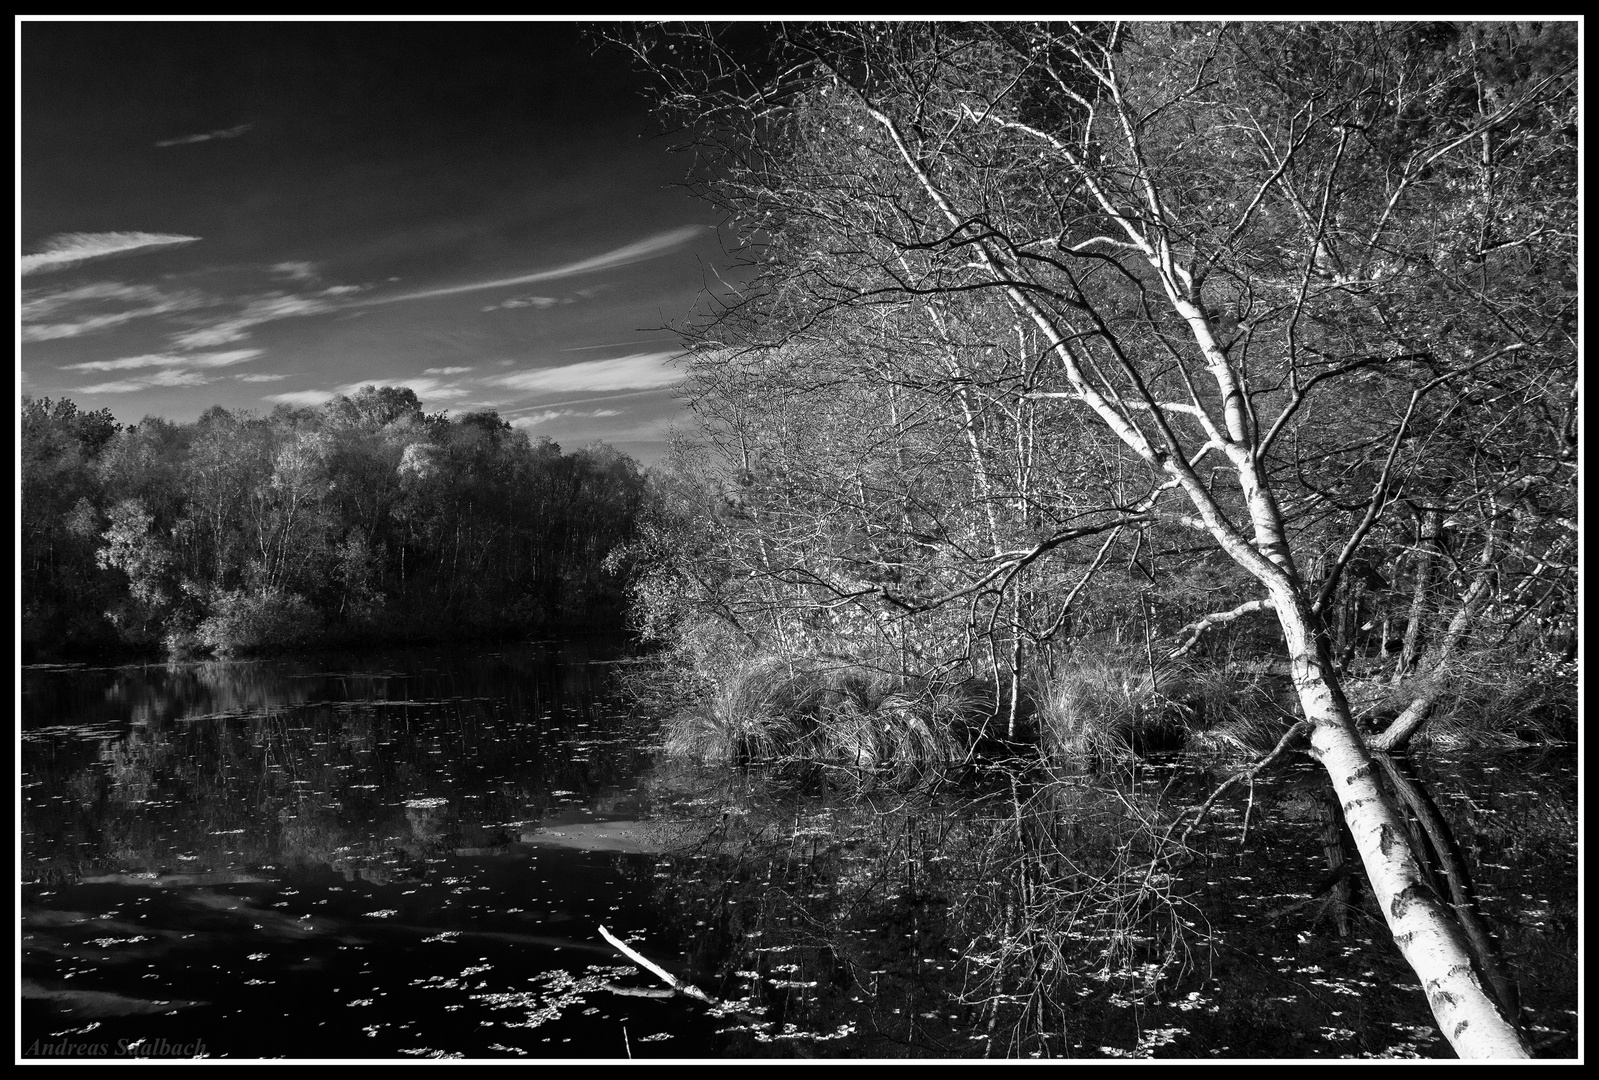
[(83, 310), (299, 271), (647, 431), (648, 248), (191, 360), (609, 345), (167, 377), (547, 415), (641, 371), (66, 249), (259, 377), (540, 302), (304, 397), (446, 371), (260, 310), (224, 133), (170, 369)]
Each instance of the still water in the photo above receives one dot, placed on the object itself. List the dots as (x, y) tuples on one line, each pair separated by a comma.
[(413, 854)]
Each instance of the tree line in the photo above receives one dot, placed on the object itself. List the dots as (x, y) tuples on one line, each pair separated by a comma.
[(362, 520), (1055, 339)]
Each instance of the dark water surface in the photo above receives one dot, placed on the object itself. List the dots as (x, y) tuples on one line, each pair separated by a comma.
[(411, 854)]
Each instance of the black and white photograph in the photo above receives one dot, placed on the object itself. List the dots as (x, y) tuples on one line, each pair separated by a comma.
[(935, 538)]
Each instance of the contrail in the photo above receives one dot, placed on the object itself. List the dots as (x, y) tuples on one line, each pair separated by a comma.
[(647, 248), (68, 248)]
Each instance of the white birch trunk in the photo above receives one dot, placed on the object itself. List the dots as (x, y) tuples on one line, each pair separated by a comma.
[(1422, 926)]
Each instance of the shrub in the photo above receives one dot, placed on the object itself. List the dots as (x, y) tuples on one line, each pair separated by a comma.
[(254, 622)]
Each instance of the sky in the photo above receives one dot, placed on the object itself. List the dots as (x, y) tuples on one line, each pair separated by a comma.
[(250, 214)]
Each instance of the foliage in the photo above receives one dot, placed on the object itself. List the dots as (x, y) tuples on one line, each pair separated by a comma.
[(242, 622), (361, 520)]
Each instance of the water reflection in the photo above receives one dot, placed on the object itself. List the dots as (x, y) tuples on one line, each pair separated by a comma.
[(324, 860), (1041, 918), (411, 855)]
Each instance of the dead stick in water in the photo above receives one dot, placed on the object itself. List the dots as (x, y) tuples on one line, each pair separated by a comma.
[(665, 976), (754, 1022)]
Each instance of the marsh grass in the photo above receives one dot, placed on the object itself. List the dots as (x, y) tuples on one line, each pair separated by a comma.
[(1098, 709), (1108, 706), (1487, 706), (1484, 699), (770, 709), (1089, 707), (1231, 711)]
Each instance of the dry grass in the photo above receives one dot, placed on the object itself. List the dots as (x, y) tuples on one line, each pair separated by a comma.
[(1487, 699), (1233, 712), (1094, 707), (768, 709)]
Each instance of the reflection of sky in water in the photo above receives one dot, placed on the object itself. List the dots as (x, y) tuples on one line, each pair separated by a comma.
[(293, 861)]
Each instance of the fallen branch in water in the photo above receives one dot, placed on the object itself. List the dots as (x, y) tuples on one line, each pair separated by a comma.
[(665, 976), (677, 985), (1321, 892)]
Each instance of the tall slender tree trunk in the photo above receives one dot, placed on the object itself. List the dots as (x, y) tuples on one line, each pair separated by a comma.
[(1423, 927), (1426, 544)]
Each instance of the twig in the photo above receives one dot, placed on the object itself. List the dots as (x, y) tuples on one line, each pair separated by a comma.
[(1196, 630), (640, 991)]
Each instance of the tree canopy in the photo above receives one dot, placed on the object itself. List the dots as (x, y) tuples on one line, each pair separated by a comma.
[(362, 520)]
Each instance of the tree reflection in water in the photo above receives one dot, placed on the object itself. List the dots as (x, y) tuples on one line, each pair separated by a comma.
[(1039, 916)]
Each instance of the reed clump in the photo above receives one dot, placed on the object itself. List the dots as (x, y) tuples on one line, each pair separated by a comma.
[(1105, 706), (1235, 710), (1487, 704), (768, 708)]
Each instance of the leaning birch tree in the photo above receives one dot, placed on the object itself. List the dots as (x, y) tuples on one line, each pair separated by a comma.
[(1261, 258)]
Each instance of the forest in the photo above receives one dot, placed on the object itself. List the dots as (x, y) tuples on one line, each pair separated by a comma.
[(362, 521), (1098, 385)]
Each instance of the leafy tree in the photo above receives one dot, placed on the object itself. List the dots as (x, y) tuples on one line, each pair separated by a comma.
[(364, 519), (134, 548), (61, 507)]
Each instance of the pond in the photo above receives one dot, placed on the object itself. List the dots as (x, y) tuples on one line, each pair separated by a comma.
[(412, 854)]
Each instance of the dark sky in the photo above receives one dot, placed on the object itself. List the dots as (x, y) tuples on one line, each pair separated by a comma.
[(252, 213)]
